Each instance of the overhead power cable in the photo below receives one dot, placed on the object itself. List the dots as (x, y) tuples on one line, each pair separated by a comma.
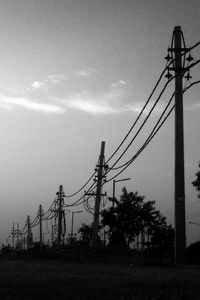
[(138, 117), (77, 202), (154, 89), (127, 164), (153, 133), (142, 125), (78, 191)]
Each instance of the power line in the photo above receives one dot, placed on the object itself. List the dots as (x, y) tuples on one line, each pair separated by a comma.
[(144, 107), (78, 191), (138, 117), (153, 133), (142, 125)]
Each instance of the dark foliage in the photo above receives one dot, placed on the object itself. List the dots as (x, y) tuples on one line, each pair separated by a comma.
[(193, 253), (196, 182), (133, 216)]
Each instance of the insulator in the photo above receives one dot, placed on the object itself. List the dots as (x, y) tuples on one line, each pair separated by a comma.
[(168, 57), (189, 58), (188, 76), (168, 75)]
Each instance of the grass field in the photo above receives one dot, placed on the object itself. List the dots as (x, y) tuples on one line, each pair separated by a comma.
[(50, 279)]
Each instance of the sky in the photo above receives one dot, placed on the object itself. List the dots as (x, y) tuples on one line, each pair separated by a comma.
[(74, 73)]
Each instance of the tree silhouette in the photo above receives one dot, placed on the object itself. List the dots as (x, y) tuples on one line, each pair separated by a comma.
[(85, 233), (133, 216), (196, 182)]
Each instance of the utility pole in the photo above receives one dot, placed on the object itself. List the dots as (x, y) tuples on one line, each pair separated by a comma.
[(13, 236), (60, 194), (177, 52), (18, 235), (29, 235), (180, 250), (100, 176), (72, 224), (40, 214)]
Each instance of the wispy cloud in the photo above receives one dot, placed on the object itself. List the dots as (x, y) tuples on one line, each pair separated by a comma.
[(10, 102), (88, 104), (56, 78), (84, 72), (117, 99), (51, 79), (119, 83)]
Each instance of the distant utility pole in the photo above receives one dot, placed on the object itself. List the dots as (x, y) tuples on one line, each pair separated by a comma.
[(40, 214), (100, 176), (13, 236), (60, 212), (72, 224), (29, 234), (177, 52)]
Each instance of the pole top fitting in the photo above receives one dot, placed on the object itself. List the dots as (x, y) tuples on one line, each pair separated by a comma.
[(177, 28)]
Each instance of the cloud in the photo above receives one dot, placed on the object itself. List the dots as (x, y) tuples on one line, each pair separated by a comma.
[(121, 97), (9, 102), (84, 72), (37, 84), (89, 105), (119, 83), (51, 79), (56, 78), (112, 102)]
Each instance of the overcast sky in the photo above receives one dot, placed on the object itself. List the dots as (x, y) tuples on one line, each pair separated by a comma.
[(74, 73)]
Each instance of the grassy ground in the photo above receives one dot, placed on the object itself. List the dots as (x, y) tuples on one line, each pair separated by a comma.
[(50, 279)]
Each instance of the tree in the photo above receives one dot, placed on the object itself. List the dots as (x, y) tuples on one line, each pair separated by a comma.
[(132, 217), (122, 220), (196, 182), (86, 233)]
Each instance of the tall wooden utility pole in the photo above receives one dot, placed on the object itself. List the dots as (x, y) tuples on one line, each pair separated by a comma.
[(29, 233), (179, 153), (60, 194), (100, 176), (40, 214), (180, 236), (13, 236)]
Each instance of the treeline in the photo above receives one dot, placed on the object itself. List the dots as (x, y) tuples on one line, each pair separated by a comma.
[(132, 221)]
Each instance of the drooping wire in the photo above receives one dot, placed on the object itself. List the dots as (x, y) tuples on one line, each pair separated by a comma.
[(77, 202), (151, 135), (79, 190), (154, 130), (138, 117), (144, 107), (142, 125)]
